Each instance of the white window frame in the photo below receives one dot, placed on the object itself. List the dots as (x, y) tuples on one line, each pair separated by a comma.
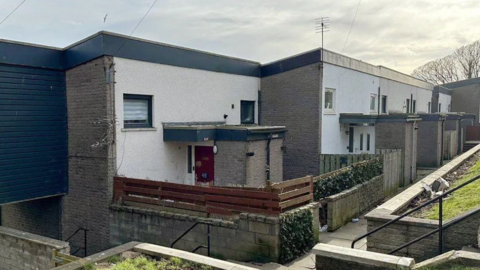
[(332, 109), (374, 96)]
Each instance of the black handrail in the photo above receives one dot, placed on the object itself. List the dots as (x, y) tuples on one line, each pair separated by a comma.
[(201, 246), (441, 226), (84, 241)]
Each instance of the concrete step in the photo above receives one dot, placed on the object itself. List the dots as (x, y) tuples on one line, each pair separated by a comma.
[(471, 249)]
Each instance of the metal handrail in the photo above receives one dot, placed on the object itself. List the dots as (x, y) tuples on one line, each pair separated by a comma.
[(201, 246), (84, 240), (441, 226)]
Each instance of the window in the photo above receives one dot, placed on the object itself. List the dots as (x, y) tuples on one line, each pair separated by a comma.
[(384, 104), (408, 105), (361, 142), (368, 142), (247, 111), (373, 103), (439, 107), (429, 107), (189, 161), (137, 111), (329, 100), (414, 106)]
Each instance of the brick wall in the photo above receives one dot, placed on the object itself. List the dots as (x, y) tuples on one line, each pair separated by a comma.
[(429, 143), (398, 135), (276, 161), (91, 169), (344, 206), (230, 163), (247, 238), (25, 251), (386, 240), (293, 99), (38, 216), (467, 99)]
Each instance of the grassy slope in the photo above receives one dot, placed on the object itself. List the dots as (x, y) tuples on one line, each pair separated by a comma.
[(452, 268), (465, 199)]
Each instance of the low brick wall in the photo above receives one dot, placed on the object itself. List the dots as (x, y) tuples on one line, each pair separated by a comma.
[(455, 237), (21, 250), (344, 206), (248, 237)]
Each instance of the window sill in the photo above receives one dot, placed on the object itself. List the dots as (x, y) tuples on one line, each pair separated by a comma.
[(329, 113), (139, 129)]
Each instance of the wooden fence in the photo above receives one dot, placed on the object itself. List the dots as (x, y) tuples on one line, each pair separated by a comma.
[(392, 165), (271, 200), (473, 133)]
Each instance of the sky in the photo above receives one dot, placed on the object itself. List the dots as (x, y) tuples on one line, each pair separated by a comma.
[(399, 34)]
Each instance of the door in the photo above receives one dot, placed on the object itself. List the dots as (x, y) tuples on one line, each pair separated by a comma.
[(350, 139), (204, 165)]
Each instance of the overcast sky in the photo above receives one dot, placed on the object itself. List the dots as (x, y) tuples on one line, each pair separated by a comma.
[(400, 34)]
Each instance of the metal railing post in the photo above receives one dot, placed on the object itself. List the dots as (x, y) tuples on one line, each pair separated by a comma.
[(440, 226), (85, 241), (208, 240)]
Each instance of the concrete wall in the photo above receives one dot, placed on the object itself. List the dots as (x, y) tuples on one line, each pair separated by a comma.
[(40, 217), (351, 203), (248, 238), (293, 99), (445, 100), (25, 251), (179, 95), (429, 143), (399, 135), (397, 93), (467, 99), (91, 169)]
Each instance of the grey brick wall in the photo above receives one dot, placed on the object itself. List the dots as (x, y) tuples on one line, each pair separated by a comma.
[(467, 99), (26, 251), (38, 217), (429, 143), (293, 99), (247, 238), (91, 169), (398, 135), (276, 160), (256, 165), (230, 163)]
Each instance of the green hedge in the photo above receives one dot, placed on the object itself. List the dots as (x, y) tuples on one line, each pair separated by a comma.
[(343, 179), (296, 234)]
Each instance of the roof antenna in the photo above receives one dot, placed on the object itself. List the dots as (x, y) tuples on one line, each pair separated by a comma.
[(322, 25), (105, 18)]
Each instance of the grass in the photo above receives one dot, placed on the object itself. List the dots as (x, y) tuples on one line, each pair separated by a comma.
[(144, 263), (462, 200), (453, 267)]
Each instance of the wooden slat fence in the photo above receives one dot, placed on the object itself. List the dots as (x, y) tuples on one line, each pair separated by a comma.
[(271, 200), (392, 165)]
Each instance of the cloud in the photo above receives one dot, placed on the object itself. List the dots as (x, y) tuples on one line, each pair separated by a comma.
[(400, 34)]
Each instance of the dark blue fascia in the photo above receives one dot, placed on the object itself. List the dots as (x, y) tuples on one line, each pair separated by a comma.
[(125, 47), (29, 55), (291, 63)]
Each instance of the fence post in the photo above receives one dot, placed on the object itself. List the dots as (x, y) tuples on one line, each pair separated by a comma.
[(311, 187)]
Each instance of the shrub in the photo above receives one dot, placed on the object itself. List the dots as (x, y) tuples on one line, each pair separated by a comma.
[(296, 234), (346, 178)]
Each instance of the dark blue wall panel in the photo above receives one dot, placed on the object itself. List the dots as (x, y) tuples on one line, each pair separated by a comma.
[(290, 63), (33, 133)]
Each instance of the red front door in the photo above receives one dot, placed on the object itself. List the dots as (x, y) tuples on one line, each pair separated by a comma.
[(204, 165)]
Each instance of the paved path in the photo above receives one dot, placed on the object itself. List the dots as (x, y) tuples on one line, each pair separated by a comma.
[(342, 237)]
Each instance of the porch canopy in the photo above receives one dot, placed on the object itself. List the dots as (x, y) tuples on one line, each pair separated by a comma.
[(194, 132), (370, 120)]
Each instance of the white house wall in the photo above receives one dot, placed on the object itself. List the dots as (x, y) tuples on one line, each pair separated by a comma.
[(352, 95), (397, 93), (179, 95), (445, 100)]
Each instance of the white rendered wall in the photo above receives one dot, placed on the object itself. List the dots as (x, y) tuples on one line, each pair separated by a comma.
[(352, 95), (445, 100), (397, 93), (179, 95)]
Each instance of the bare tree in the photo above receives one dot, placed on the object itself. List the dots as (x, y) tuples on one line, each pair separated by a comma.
[(464, 63)]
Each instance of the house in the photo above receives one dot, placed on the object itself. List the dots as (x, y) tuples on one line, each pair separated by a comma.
[(334, 104), (465, 96), (112, 105)]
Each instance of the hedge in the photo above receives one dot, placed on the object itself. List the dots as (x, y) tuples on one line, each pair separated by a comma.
[(346, 178), (296, 234)]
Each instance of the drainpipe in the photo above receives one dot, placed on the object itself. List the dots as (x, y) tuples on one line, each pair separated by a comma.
[(441, 144), (413, 151), (379, 100), (268, 156)]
